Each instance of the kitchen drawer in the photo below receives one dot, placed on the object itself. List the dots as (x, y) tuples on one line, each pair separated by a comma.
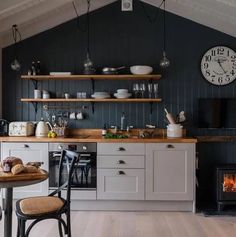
[(120, 149), (171, 146), (25, 146), (120, 162), (120, 184)]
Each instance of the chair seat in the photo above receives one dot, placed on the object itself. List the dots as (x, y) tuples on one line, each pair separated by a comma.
[(40, 205)]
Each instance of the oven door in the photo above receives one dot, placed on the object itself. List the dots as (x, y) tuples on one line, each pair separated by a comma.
[(84, 176)]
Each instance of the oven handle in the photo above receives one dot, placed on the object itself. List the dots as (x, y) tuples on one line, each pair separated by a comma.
[(56, 155), (85, 155)]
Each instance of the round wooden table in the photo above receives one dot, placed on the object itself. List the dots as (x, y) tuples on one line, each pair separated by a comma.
[(8, 181)]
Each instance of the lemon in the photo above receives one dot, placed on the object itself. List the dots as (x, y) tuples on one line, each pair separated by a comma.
[(53, 134)]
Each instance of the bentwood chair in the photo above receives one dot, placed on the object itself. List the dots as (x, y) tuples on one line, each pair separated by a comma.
[(52, 206)]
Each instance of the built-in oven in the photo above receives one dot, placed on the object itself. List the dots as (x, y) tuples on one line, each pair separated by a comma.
[(85, 172)]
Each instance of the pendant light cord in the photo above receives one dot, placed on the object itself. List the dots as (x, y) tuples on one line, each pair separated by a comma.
[(164, 26), (16, 34), (88, 26), (151, 19), (77, 19), (88, 23)]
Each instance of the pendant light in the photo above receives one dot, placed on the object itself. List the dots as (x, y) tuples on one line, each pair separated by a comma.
[(15, 64), (165, 62), (88, 63)]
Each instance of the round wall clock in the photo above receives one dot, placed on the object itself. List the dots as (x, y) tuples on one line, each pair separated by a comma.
[(218, 65)]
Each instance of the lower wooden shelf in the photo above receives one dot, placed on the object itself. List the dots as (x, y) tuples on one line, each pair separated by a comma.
[(90, 100), (138, 100)]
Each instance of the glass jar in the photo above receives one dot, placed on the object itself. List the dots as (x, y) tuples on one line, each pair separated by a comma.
[(7, 165)]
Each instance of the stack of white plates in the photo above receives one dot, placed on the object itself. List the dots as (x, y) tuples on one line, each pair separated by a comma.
[(122, 94), (101, 95)]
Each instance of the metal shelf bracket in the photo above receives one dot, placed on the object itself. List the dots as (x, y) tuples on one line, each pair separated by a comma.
[(92, 103), (35, 82), (92, 81), (151, 107), (35, 105)]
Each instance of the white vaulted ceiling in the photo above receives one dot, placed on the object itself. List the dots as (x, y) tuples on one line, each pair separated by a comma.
[(34, 16)]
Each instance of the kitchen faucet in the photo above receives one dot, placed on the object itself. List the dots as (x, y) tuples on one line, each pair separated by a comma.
[(122, 121)]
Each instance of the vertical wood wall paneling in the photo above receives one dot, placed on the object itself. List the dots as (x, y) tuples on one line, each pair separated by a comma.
[(126, 38)]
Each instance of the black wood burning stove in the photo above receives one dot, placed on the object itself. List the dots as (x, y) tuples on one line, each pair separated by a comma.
[(226, 185)]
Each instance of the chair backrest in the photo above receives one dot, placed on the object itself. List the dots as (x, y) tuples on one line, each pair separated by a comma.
[(65, 173)]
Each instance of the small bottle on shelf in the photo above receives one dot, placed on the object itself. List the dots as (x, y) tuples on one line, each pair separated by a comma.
[(33, 69), (38, 68)]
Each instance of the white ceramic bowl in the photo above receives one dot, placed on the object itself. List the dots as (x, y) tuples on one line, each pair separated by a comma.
[(101, 93), (122, 95), (122, 91), (141, 70), (100, 96)]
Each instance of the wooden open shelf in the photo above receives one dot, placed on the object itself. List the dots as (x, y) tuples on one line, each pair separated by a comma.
[(94, 77), (143, 100)]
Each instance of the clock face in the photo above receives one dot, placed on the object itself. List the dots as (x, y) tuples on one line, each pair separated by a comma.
[(218, 65)]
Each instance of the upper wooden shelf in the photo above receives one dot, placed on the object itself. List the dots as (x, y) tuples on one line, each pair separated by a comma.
[(144, 100), (95, 77)]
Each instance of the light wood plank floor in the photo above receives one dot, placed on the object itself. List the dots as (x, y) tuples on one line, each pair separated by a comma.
[(139, 224)]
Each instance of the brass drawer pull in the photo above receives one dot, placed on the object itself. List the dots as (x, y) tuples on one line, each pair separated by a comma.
[(120, 162), (120, 172), (121, 149), (170, 146), (26, 146)]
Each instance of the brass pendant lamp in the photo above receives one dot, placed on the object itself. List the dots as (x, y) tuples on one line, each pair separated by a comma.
[(165, 62), (15, 64)]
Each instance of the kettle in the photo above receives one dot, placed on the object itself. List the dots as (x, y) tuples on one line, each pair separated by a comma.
[(42, 129)]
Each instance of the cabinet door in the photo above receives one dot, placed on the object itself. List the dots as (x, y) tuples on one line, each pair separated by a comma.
[(28, 152), (170, 171), (117, 184)]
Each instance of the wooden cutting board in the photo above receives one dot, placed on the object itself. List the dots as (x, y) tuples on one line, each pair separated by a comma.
[(6, 177)]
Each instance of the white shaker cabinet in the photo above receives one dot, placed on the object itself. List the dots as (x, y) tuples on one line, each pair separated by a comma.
[(120, 173), (170, 171), (28, 152)]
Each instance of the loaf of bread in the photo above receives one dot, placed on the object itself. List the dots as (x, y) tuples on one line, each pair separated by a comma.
[(30, 169), (14, 160), (16, 169)]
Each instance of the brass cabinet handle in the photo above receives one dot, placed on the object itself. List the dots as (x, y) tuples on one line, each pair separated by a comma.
[(120, 172), (26, 146), (121, 149), (120, 162), (170, 146)]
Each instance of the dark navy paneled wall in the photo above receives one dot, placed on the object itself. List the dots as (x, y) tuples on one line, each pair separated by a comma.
[(117, 39)]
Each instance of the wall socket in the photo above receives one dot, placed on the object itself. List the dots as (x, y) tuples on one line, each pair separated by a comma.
[(127, 5)]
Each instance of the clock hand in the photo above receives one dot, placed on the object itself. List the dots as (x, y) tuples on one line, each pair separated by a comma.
[(221, 65)]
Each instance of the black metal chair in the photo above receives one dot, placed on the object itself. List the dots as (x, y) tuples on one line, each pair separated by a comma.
[(52, 206)]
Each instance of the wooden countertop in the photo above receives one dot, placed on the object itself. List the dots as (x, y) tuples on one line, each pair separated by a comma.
[(99, 138)]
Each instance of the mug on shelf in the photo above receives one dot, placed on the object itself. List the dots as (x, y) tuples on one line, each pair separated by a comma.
[(37, 94), (80, 115), (67, 95), (72, 115)]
